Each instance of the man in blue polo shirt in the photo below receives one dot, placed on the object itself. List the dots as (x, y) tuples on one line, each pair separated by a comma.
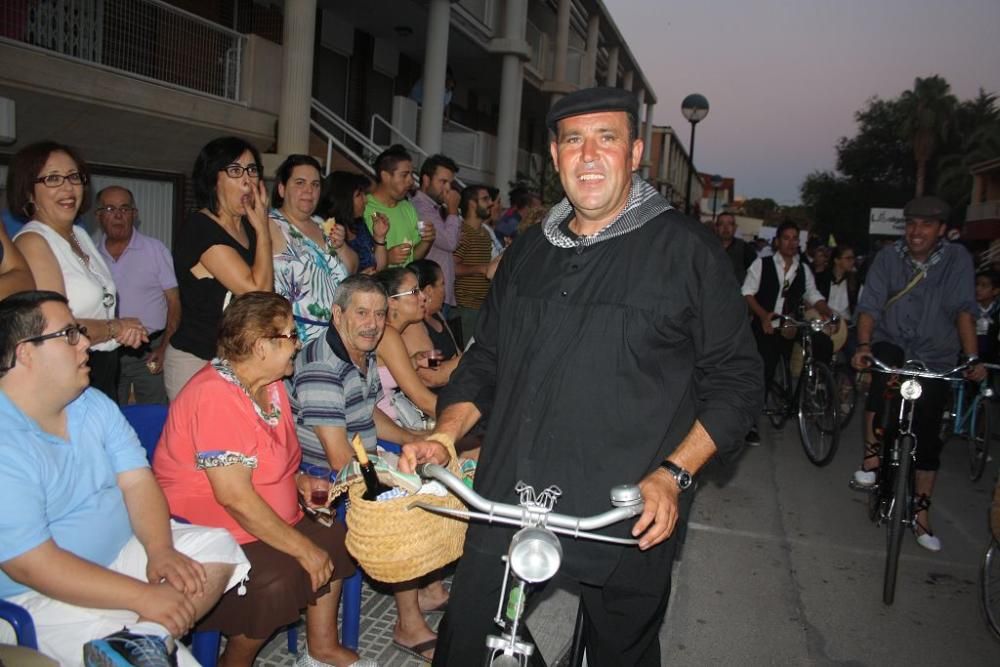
[(333, 396), (86, 544)]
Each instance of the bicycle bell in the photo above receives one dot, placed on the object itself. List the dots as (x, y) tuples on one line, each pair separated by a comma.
[(911, 389), (535, 554)]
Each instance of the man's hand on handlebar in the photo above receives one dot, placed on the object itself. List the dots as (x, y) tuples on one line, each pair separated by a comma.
[(656, 523), (976, 372), (862, 359), (424, 451)]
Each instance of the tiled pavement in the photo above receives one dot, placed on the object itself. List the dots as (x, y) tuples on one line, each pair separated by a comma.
[(378, 616)]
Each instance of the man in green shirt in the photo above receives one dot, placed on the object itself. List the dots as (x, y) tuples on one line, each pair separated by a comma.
[(405, 241)]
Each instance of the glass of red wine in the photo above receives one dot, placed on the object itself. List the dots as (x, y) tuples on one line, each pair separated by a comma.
[(319, 486), (434, 358)]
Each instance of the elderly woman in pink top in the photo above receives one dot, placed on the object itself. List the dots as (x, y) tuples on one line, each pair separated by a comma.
[(229, 457)]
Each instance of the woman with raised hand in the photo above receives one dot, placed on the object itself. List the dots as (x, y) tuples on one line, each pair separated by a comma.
[(223, 250)]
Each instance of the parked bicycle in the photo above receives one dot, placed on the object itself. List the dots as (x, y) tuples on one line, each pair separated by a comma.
[(989, 579), (891, 499), (535, 553), (972, 423), (813, 399)]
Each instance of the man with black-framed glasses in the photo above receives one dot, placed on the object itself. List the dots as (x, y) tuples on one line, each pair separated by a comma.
[(69, 462), (147, 290)]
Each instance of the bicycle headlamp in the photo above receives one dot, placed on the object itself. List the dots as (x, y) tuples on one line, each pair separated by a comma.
[(535, 554), (911, 389), (816, 325)]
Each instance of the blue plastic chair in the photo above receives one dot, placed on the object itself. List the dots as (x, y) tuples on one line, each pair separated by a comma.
[(20, 620)]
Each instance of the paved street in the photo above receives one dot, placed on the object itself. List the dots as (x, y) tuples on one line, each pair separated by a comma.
[(782, 567)]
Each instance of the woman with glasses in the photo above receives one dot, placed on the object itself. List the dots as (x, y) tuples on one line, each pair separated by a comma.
[(311, 257), (47, 183), (397, 367), (232, 420), (434, 335), (223, 250)]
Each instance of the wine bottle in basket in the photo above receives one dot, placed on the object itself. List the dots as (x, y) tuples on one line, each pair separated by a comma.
[(373, 487)]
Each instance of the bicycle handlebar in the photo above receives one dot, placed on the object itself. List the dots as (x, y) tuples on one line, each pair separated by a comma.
[(815, 325), (882, 367), (627, 498)]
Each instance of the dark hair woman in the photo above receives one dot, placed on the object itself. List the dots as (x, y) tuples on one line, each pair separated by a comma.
[(434, 335), (311, 256), (344, 201), (223, 250), (47, 183)]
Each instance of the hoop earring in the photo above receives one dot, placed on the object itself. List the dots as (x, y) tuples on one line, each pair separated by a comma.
[(24, 209)]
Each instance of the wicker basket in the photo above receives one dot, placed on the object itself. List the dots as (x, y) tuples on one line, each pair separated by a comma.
[(394, 543)]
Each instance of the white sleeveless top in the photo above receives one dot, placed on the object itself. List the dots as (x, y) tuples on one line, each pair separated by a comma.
[(87, 285)]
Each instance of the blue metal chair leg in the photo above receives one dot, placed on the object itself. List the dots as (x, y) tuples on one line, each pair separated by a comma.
[(205, 647)]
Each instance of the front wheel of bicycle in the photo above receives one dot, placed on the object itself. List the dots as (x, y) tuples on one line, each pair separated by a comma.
[(979, 440), (779, 394), (989, 586), (899, 516), (819, 421)]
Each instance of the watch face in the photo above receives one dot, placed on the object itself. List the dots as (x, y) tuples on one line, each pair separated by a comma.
[(684, 480)]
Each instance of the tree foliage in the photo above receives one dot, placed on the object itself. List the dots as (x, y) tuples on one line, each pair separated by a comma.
[(924, 140)]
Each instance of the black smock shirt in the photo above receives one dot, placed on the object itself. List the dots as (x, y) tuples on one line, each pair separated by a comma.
[(592, 362)]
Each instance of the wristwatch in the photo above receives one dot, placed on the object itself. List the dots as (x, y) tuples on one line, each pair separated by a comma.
[(683, 478)]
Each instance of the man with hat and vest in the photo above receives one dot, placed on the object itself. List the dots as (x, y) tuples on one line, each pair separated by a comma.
[(612, 348), (918, 304), (780, 285)]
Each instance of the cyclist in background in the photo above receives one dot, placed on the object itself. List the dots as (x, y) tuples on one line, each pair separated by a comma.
[(918, 303)]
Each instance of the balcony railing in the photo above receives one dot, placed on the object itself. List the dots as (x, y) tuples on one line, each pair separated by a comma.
[(147, 39)]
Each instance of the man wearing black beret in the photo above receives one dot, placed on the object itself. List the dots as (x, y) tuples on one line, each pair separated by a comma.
[(613, 348)]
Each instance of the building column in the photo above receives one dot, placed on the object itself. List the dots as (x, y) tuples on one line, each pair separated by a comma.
[(435, 67), (612, 77), (562, 42), (589, 69), (297, 75), (648, 139), (515, 50), (628, 79)]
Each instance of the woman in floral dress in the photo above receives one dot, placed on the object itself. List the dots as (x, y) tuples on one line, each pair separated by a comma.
[(311, 256)]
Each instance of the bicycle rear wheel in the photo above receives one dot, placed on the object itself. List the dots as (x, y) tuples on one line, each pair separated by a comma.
[(989, 586), (819, 421), (779, 394), (979, 440), (847, 393), (899, 516)]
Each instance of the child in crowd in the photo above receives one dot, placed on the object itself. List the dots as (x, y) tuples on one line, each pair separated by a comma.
[(988, 320)]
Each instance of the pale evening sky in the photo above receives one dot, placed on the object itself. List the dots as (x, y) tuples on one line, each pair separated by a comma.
[(784, 77)]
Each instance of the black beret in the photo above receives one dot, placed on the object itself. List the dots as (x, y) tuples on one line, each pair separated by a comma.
[(930, 208), (593, 100)]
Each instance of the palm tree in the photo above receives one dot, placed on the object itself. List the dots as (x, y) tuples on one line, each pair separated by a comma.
[(929, 111)]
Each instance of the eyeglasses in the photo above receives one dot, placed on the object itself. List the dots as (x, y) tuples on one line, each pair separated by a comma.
[(292, 335), (55, 180), (72, 334), (111, 210), (406, 293), (236, 170)]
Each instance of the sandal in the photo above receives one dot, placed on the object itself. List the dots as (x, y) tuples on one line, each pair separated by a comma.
[(865, 477), (872, 451), (925, 537)]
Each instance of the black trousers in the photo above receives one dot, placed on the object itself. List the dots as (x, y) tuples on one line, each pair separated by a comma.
[(926, 414), (104, 372), (622, 618), (772, 346)]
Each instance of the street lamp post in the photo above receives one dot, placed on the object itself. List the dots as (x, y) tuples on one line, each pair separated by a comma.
[(716, 184), (695, 108)]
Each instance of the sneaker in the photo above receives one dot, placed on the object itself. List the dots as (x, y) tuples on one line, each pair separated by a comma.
[(306, 660), (929, 542), (864, 478), (753, 438), (127, 649)]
